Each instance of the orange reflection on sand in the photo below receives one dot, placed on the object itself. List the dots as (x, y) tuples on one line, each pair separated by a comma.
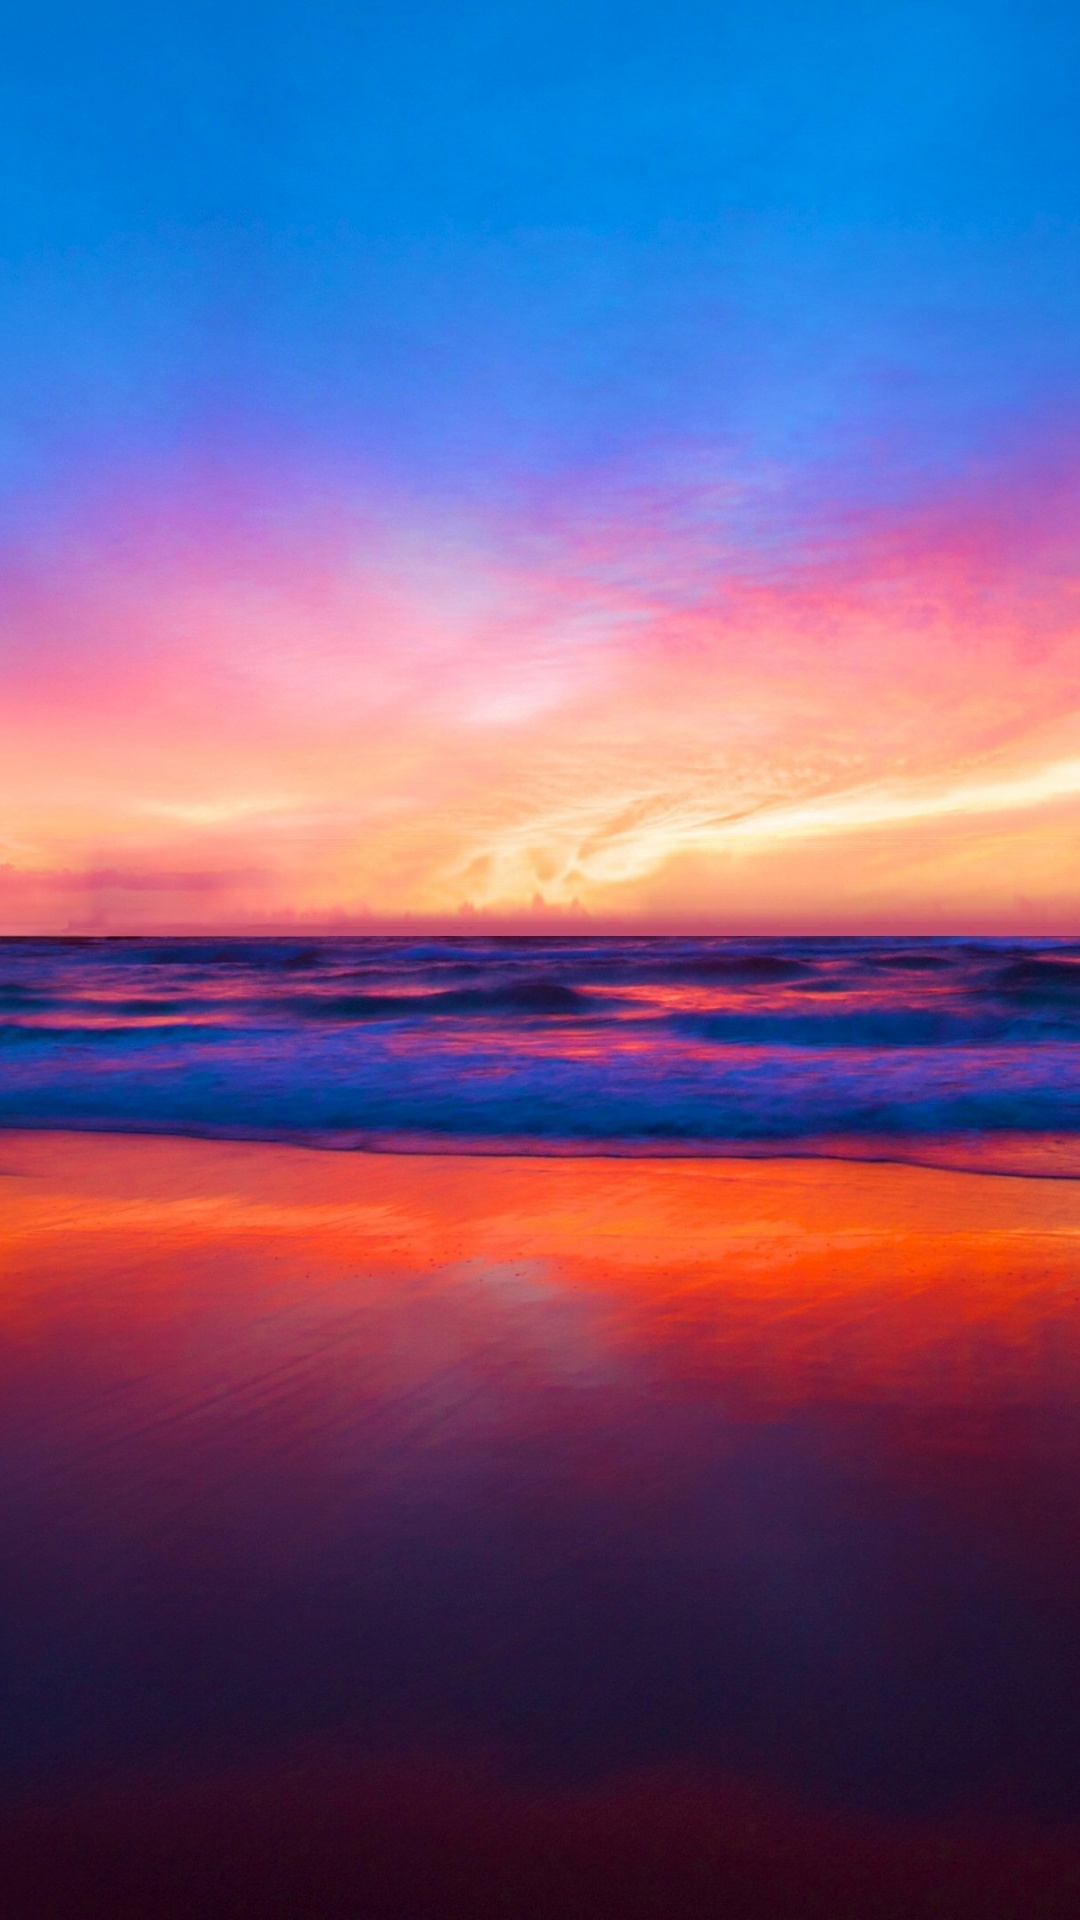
[(792, 1280)]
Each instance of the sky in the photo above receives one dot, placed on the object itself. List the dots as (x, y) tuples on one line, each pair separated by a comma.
[(535, 466)]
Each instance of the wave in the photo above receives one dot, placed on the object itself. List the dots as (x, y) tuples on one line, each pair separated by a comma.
[(549, 1046)]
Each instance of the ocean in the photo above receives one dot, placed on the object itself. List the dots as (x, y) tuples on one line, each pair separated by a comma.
[(965, 1051)]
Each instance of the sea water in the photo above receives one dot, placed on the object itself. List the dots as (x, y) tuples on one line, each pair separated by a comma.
[(963, 1049)]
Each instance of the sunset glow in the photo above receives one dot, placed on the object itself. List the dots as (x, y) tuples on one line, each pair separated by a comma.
[(540, 959), (227, 723), (575, 503)]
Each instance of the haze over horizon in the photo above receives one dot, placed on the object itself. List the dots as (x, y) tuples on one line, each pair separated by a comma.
[(488, 468)]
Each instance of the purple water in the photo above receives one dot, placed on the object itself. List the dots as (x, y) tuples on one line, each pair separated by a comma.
[(970, 1048)]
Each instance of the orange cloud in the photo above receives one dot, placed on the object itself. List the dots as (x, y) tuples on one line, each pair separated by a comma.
[(629, 714)]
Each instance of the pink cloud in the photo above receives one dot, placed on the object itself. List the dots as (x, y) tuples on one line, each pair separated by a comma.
[(319, 707)]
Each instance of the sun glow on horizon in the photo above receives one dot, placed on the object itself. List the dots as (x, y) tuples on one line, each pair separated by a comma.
[(641, 726)]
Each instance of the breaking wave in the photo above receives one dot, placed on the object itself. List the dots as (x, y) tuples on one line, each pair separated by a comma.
[(586, 1045)]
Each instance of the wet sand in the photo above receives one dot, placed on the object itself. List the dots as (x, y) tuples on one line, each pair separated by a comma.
[(707, 1527)]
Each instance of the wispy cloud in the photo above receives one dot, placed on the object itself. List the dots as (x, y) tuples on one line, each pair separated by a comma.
[(567, 708)]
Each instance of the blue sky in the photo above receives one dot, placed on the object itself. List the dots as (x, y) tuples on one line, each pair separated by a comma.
[(529, 235)]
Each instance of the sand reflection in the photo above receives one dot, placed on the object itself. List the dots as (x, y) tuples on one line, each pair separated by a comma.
[(759, 1469)]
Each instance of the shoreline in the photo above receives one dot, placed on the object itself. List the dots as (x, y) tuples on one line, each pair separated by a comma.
[(1002, 1155)]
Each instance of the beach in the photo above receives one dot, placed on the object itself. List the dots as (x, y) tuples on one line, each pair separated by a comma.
[(525, 1480)]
